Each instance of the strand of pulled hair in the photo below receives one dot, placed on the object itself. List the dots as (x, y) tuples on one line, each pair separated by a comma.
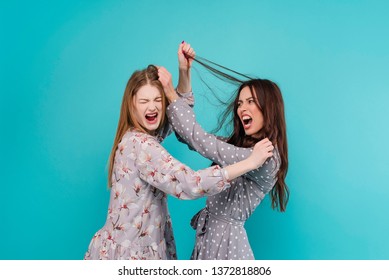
[(218, 73)]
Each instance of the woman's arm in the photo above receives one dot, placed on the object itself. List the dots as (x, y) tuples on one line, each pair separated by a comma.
[(184, 122), (158, 168), (184, 88), (167, 129), (185, 55)]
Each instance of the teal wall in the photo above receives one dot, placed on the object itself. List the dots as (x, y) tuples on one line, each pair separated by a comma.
[(64, 66)]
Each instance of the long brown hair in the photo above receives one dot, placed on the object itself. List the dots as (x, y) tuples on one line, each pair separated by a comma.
[(269, 100), (127, 119)]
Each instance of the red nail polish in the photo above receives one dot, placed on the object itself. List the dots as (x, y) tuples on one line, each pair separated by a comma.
[(182, 42)]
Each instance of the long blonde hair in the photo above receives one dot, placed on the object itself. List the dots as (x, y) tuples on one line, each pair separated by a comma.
[(127, 120)]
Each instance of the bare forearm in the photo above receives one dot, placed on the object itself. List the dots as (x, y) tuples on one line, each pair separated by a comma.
[(238, 169), (184, 81)]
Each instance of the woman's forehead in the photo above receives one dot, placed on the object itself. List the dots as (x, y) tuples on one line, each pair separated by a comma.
[(148, 92), (246, 93)]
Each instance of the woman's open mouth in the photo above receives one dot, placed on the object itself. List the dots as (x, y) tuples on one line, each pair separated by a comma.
[(151, 118), (246, 121)]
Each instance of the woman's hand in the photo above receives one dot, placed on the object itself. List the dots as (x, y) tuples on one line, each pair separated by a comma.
[(165, 78), (185, 56), (261, 152)]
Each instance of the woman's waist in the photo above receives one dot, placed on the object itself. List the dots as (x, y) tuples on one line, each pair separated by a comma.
[(226, 217), (206, 216), (230, 213)]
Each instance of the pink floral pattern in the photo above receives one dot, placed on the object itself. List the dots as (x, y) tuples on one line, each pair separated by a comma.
[(138, 224)]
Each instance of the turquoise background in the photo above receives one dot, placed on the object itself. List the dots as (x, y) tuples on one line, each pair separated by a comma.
[(64, 66)]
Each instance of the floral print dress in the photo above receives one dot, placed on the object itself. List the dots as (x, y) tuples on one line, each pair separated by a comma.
[(138, 224), (220, 232)]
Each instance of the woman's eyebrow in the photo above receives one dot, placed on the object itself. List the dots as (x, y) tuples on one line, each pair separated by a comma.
[(247, 99)]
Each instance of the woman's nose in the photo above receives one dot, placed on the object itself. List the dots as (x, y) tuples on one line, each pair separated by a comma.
[(153, 106), (243, 107)]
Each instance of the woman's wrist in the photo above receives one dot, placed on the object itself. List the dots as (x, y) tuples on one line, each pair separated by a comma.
[(171, 96), (184, 68)]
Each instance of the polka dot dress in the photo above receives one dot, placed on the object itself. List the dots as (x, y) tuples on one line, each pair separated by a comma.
[(220, 232)]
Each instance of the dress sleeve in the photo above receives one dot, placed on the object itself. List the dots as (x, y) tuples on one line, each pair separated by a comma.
[(187, 97), (158, 168), (183, 120), (165, 131)]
